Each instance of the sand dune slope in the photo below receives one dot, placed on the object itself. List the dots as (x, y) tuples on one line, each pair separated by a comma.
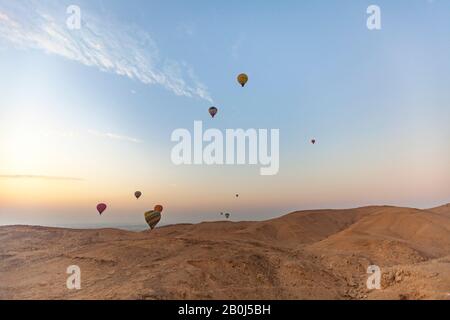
[(444, 210), (320, 254)]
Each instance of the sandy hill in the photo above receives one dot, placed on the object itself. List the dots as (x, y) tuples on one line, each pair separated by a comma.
[(322, 254), (445, 209)]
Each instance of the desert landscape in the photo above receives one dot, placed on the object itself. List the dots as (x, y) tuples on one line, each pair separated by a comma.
[(322, 254), (158, 150)]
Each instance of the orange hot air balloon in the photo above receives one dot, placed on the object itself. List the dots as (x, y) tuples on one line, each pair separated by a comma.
[(242, 79), (158, 208), (213, 111)]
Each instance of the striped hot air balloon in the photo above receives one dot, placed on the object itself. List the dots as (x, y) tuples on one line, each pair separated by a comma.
[(152, 217)]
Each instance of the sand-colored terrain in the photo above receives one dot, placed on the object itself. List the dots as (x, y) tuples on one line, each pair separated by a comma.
[(320, 254)]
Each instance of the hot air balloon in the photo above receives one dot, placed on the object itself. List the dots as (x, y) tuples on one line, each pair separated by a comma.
[(313, 141), (237, 195), (138, 194), (227, 215), (158, 208), (101, 207), (152, 218), (221, 213), (213, 111), (242, 79)]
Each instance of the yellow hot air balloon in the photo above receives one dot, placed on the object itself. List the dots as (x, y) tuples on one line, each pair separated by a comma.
[(152, 218), (242, 79)]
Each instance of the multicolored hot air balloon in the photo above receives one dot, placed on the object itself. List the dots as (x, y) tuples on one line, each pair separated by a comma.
[(152, 218), (101, 207), (138, 194), (213, 111), (242, 79)]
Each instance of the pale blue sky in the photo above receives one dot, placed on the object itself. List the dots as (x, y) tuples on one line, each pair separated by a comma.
[(377, 102)]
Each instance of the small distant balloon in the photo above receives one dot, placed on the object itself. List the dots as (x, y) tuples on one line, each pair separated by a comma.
[(237, 195), (227, 215), (158, 208), (213, 111), (221, 213), (138, 194), (101, 207), (313, 141), (242, 79)]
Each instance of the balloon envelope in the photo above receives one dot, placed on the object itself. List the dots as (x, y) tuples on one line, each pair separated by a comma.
[(313, 141), (152, 218), (158, 208), (227, 215), (242, 79), (101, 207), (138, 194), (213, 111)]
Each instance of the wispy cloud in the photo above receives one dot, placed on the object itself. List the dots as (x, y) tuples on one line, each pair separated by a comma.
[(23, 176), (114, 136), (111, 47)]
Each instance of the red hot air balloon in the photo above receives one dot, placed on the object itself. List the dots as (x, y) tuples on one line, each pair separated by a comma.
[(101, 207)]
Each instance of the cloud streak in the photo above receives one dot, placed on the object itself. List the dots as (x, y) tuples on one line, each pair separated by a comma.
[(114, 136), (23, 176), (123, 50)]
